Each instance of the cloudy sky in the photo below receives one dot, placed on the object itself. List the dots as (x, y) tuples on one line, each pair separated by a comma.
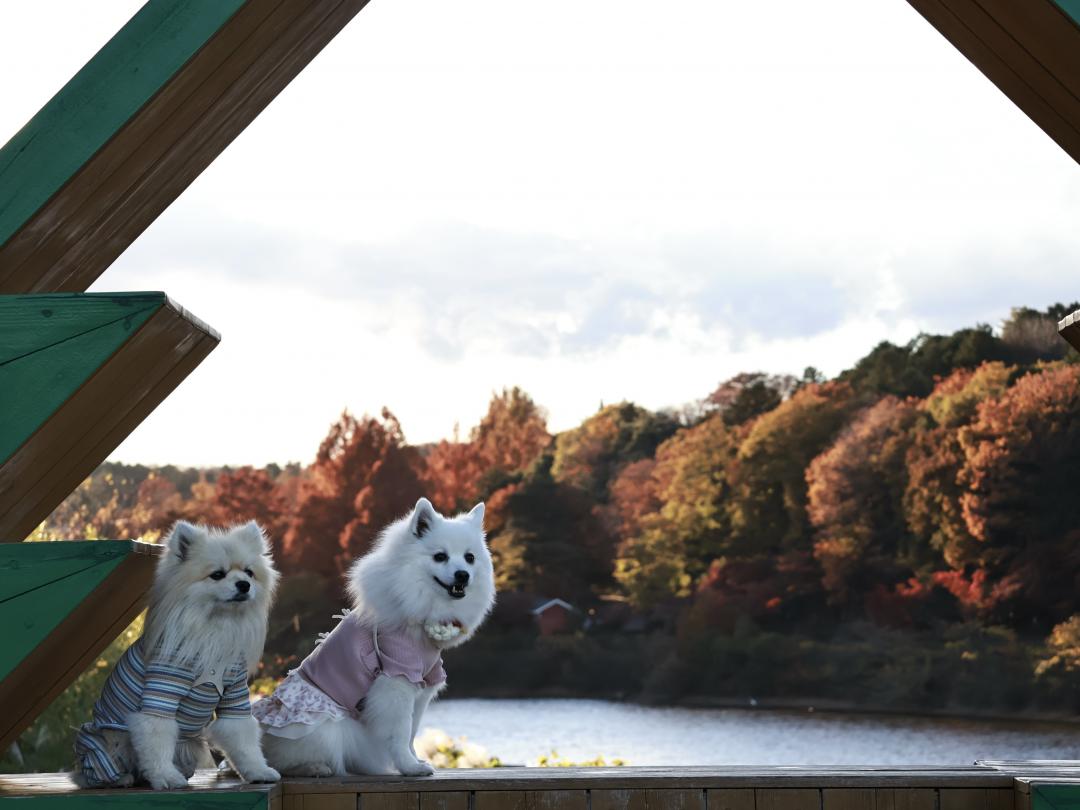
[(593, 199)]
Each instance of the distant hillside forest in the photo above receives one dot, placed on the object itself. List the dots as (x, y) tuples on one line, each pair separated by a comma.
[(906, 535)]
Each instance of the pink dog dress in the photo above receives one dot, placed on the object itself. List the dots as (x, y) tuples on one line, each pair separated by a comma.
[(332, 682)]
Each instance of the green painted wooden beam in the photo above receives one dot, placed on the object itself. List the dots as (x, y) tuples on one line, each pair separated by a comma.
[(207, 790), (1070, 7), (61, 604), (251, 799), (50, 345), (141, 120), (1055, 796), (78, 373)]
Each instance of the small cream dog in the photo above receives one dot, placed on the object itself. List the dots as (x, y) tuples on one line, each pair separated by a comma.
[(354, 705), (204, 634)]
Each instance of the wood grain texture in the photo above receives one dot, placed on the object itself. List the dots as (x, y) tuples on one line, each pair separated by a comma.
[(733, 799), (51, 344), (849, 799), (446, 800), (617, 799), (501, 800), (68, 647), (1025, 49), (337, 801), (406, 800), (787, 799), (160, 136), (675, 799), (963, 799), (558, 800), (905, 799), (98, 415)]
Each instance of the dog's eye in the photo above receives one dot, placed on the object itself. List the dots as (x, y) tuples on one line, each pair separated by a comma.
[(441, 557), (469, 558), (219, 574), (249, 572)]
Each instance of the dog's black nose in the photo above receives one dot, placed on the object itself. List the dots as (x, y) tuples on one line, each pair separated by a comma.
[(243, 585), (461, 577)]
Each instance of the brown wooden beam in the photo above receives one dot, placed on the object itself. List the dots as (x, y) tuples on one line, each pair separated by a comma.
[(1030, 50), (90, 424)]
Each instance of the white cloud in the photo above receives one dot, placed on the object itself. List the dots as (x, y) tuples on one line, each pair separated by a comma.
[(593, 200)]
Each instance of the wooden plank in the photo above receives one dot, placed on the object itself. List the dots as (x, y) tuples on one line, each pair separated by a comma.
[(617, 799), (496, 800), (334, 801), (963, 799), (1021, 74), (1001, 799), (558, 800), (787, 799), (641, 778), (848, 799), (407, 800), (105, 157), (98, 415), (734, 799), (905, 799), (445, 800), (67, 647), (675, 799), (51, 344), (1069, 329), (1055, 795), (292, 801)]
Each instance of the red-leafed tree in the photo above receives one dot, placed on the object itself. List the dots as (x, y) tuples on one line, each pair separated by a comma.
[(364, 476), (510, 437), (247, 494)]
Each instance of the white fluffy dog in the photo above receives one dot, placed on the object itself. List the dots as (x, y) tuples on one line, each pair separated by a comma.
[(354, 705), (204, 634)]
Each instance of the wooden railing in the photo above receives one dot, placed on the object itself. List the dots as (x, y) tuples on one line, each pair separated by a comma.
[(1003, 786)]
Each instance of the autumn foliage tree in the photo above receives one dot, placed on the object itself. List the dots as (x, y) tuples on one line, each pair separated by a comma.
[(855, 501), (364, 476), (767, 507), (1021, 455), (510, 437)]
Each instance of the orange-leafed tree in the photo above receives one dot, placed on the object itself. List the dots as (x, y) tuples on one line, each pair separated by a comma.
[(855, 502), (935, 458), (364, 476), (1021, 460), (510, 437)]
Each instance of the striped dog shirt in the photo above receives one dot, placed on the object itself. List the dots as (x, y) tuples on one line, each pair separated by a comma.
[(160, 688)]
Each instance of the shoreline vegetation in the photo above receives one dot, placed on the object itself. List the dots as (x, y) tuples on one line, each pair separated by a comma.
[(903, 537)]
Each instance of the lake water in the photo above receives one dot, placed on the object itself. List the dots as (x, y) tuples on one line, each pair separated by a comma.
[(519, 731)]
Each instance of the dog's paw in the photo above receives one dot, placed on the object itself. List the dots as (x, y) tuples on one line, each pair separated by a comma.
[(264, 774), (167, 779), (418, 768)]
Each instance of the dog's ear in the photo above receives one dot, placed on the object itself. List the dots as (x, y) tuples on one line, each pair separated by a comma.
[(184, 537), (254, 537), (476, 515), (423, 518)]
